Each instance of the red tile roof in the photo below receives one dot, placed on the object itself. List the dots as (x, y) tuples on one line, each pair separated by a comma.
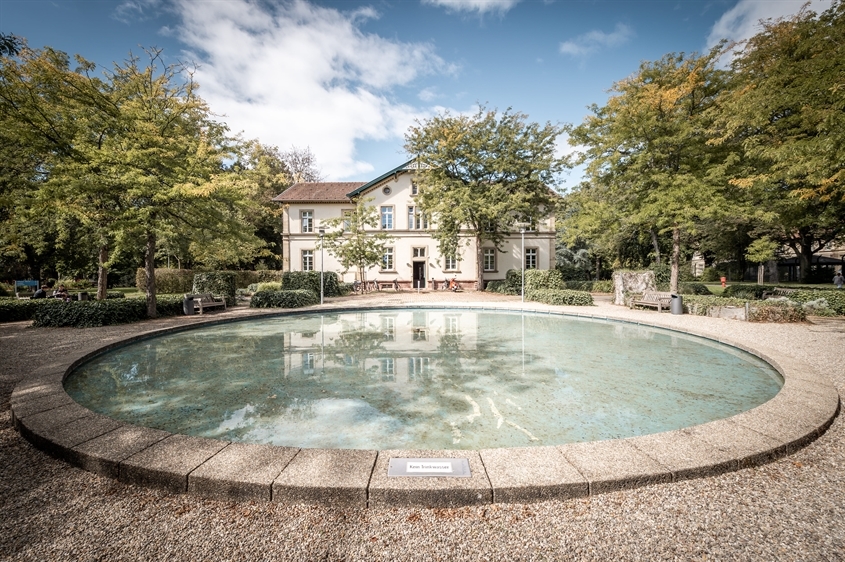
[(318, 192)]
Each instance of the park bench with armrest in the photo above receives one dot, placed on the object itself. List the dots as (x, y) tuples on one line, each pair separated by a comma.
[(25, 289), (655, 299), (205, 301)]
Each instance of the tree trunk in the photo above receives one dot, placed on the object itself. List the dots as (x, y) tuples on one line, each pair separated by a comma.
[(773, 272), (102, 273), (598, 268), (150, 271), (761, 270), (656, 246), (805, 258), (676, 259)]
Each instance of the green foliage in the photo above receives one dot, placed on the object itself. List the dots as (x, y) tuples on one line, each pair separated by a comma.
[(310, 281), (559, 297), (483, 172), (218, 283), (13, 310), (52, 313), (268, 286), (543, 279), (284, 299), (168, 281), (749, 292), (693, 289), (115, 295), (700, 305), (835, 298), (604, 286), (246, 278), (776, 311), (499, 286), (354, 239)]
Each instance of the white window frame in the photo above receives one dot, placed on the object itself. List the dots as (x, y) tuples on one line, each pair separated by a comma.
[(307, 260), (346, 214), (387, 217), (306, 221), (419, 252), (416, 218), (388, 260), (388, 366), (531, 260), (451, 263), (489, 253)]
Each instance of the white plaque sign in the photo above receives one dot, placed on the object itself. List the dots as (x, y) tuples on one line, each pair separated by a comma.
[(456, 468)]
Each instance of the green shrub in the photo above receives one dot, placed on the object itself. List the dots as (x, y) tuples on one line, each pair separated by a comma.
[(750, 292), (603, 286), (693, 289), (498, 286), (13, 310), (539, 279), (246, 278), (284, 299), (700, 305), (776, 311), (168, 281), (835, 298), (217, 283), (115, 295), (709, 275), (54, 313), (310, 280), (269, 286), (560, 297)]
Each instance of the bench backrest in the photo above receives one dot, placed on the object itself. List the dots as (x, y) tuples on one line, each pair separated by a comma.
[(656, 297)]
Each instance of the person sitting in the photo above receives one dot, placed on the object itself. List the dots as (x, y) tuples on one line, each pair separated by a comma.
[(40, 293), (61, 293)]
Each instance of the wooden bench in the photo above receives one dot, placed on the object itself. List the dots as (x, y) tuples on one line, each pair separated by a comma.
[(204, 301), (655, 299), (778, 292)]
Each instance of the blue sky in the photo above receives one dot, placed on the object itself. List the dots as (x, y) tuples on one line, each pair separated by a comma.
[(347, 78)]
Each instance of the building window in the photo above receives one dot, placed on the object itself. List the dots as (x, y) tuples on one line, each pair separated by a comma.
[(387, 218), (451, 325), (419, 334), (388, 327), (419, 252), (418, 366), (414, 188), (307, 221), (450, 263), (416, 219), (388, 368), (530, 258), (307, 260), (489, 259), (347, 220), (387, 260), (308, 362)]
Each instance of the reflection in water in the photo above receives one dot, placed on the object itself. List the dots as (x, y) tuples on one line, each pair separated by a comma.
[(422, 379)]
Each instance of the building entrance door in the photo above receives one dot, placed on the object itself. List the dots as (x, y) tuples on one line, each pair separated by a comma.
[(419, 275)]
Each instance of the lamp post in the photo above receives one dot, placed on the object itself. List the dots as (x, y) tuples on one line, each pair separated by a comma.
[(322, 233)]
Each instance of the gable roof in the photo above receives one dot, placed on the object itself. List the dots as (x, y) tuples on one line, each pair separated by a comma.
[(364, 187), (322, 192)]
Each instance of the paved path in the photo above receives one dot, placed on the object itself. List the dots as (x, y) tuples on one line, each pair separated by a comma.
[(790, 509)]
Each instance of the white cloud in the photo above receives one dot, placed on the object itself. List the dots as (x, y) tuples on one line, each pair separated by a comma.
[(743, 20), (593, 41), (135, 10), (480, 6), (304, 75)]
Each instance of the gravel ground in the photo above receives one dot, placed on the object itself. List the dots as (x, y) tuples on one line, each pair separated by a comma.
[(790, 509)]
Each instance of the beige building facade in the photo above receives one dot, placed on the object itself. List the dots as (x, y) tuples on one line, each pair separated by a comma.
[(412, 257)]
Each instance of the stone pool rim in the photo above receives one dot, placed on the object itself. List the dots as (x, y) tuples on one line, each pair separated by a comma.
[(48, 417)]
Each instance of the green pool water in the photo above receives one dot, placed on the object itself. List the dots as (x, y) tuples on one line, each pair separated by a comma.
[(422, 379)]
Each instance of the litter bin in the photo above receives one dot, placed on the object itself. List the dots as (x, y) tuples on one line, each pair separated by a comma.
[(188, 305), (676, 305)]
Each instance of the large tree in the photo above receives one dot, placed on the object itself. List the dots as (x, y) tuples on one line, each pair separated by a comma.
[(482, 173), (647, 154), (786, 109)]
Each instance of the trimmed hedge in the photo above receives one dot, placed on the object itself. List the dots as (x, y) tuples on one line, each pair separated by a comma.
[(244, 279), (284, 299), (54, 313), (498, 286), (693, 289), (776, 311), (310, 281), (217, 283), (603, 286), (268, 286), (13, 310), (168, 281), (835, 298), (560, 297)]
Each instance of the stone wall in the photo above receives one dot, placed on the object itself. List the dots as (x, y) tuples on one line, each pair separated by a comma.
[(631, 282)]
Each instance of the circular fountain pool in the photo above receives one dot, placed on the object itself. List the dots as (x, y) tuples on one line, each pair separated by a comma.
[(422, 379)]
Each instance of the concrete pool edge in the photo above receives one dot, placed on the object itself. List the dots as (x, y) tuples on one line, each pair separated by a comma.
[(44, 414)]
